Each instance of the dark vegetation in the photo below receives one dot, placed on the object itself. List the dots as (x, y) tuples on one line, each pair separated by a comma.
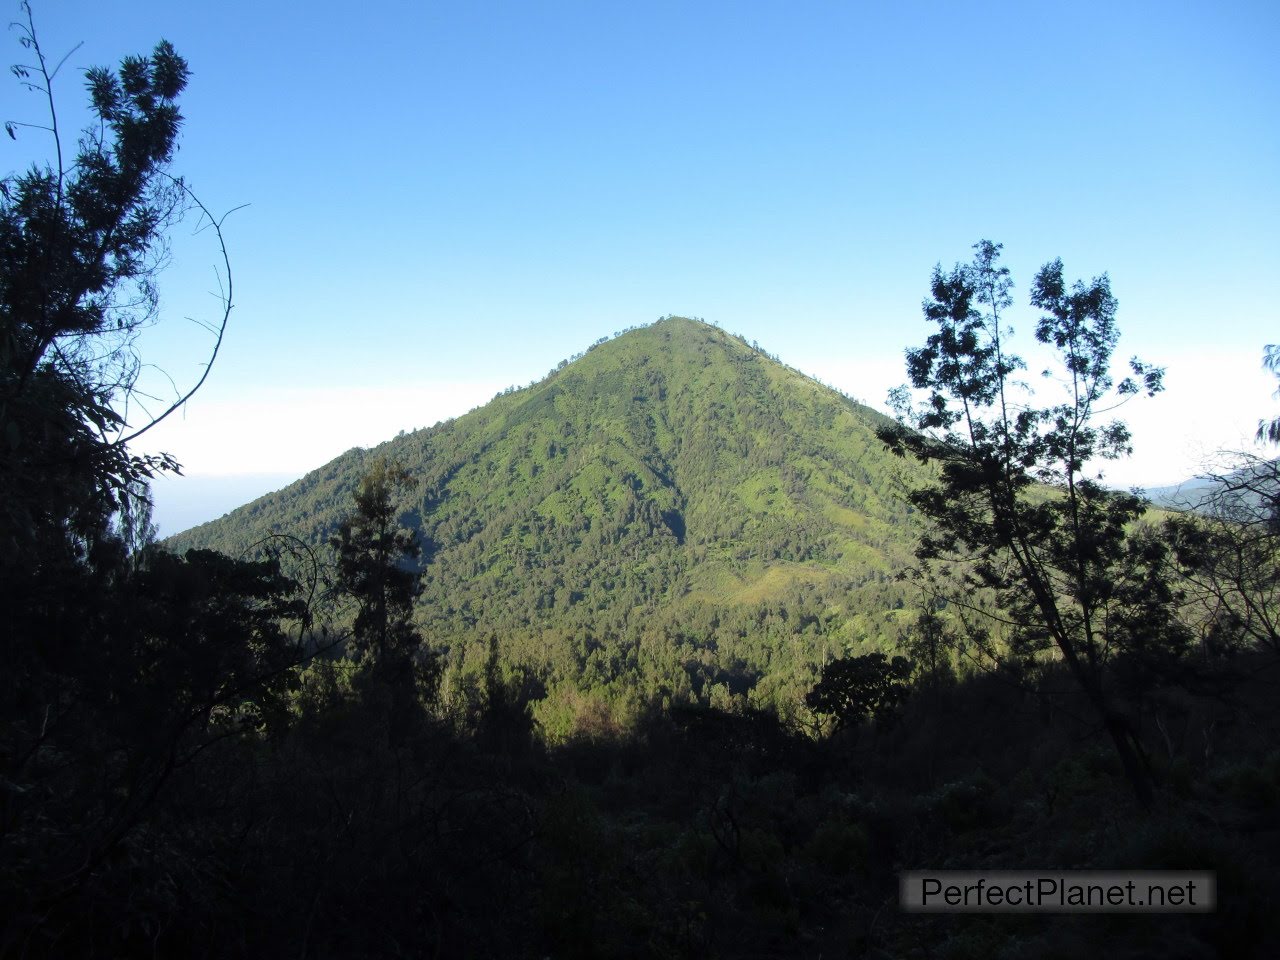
[(619, 665)]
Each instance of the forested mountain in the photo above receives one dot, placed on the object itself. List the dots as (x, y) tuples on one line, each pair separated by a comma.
[(673, 515)]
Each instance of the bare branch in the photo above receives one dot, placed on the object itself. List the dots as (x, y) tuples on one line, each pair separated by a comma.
[(225, 297)]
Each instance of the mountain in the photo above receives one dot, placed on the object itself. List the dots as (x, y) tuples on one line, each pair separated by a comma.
[(673, 516), (1252, 487)]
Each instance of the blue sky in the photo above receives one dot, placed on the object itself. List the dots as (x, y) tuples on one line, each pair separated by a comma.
[(447, 198)]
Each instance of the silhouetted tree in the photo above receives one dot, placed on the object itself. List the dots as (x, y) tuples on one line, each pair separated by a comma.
[(122, 664), (374, 558), (1228, 548), (1269, 430), (855, 689), (1063, 560), (81, 243), (929, 644)]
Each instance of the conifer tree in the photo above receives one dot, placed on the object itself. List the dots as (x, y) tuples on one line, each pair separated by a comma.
[(374, 558), (81, 244)]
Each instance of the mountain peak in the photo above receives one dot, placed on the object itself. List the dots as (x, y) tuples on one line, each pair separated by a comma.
[(676, 326), (694, 323)]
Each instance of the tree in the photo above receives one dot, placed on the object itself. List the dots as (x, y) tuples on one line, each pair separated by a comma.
[(122, 664), (855, 689), (928, 644), (160, 704), (373, 557), (81, 245), (1269, 430), (1065, 557), (1228, 549)]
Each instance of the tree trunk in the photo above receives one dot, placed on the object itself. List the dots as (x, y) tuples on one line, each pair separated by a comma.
[(1135, 769)]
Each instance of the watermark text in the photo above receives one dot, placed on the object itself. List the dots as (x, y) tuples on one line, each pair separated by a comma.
[(1058, 891)]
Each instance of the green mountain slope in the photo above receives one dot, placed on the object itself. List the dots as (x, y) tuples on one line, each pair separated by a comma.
[(673, 515)]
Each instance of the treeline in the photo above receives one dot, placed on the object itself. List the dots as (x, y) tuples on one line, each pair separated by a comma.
[(351, 805)]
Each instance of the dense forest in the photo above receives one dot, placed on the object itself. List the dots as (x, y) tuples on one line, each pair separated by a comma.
[(673, 653)]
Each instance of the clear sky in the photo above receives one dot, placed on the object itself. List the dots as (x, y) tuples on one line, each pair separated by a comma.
[(447, 198)]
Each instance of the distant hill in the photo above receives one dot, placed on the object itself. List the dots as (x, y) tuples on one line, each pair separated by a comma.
[(1256, 483), (672, 515), (1187, 495)]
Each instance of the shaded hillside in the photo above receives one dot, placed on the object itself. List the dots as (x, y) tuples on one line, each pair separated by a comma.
[(674, 514)]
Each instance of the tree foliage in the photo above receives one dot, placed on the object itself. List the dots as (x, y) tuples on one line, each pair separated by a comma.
[(122, 664), (855, 689), (80, 244), (376, 569), (372, 552), (1015, 499), (1269, 430)]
